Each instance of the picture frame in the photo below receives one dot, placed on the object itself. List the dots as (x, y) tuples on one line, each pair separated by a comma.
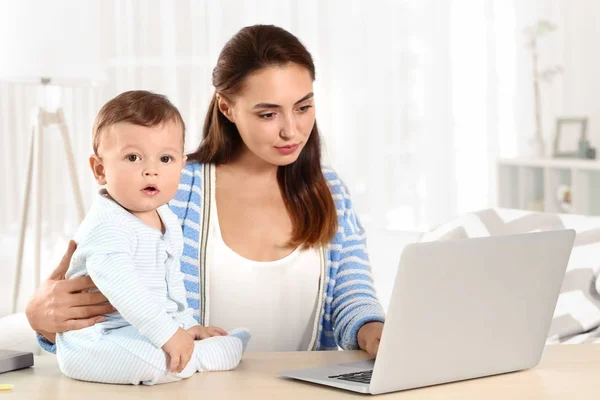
[(565, 145)]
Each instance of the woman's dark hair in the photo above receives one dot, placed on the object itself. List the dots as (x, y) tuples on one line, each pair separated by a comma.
[(304, 189)]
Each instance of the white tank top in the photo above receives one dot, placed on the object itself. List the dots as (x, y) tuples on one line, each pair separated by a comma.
[(276, 300)]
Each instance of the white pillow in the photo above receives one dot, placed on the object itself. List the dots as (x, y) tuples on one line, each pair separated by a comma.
[(578, 309)]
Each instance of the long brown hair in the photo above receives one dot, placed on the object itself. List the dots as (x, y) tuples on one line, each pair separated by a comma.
[(304, 189)]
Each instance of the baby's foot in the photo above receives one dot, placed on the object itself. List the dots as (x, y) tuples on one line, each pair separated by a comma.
[(243, 334), (221, 353)]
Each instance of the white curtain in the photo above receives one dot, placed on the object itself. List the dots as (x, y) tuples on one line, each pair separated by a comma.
[(415, 98), (412, 95)]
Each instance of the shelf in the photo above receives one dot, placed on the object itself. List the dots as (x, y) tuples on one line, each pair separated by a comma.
[(534, 184), (569, 163)]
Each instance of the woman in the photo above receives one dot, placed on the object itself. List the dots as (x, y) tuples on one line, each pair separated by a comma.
[(271, 239)]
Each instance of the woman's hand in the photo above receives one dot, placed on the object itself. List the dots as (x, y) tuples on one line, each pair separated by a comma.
[(60, 305), (369, 336), (200, 332)]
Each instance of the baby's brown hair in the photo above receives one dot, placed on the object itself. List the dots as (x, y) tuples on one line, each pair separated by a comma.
[(137, 107)]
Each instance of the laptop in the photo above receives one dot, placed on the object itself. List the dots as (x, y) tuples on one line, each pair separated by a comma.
[(459, 310), (11, 360)]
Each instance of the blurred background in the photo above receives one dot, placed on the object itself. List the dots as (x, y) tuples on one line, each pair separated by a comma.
[(417, 100)]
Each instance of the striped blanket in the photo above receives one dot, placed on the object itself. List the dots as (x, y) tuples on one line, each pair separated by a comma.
[(577, 314)]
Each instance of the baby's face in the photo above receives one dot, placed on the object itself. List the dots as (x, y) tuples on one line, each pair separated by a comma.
[(141, 165)]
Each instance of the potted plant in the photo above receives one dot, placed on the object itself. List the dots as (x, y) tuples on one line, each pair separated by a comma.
[(533, 33)]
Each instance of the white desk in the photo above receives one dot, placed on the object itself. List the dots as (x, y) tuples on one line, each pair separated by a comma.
[(566, 372)]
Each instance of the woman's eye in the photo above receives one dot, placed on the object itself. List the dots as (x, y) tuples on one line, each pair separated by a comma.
[(305, 108), (166, 159), (132, 158), (267, 115)]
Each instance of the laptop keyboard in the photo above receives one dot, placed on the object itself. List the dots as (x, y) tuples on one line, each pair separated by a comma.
[(360, 377)]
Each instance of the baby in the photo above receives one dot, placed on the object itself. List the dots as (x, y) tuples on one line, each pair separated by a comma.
[(130, 244)]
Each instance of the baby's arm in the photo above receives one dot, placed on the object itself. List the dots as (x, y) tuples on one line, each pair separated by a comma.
[(177, 293), (109, 261)]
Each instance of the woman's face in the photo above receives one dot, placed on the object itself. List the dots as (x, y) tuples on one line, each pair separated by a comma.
[(274, 112)]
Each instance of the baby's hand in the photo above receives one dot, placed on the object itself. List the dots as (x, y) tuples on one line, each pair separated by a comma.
[(200, 332), (179, 348)]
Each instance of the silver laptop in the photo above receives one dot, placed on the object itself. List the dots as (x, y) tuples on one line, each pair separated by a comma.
[(459, 310)]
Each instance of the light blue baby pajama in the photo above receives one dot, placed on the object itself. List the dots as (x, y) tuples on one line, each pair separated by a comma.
[(137, 268)]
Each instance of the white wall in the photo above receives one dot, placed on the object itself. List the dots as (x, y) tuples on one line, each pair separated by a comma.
[(581, 81), (385, 248), (574, 46)]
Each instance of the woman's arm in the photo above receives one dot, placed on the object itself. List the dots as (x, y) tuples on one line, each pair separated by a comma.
[(59, 305), (355, 302), (354, 305)]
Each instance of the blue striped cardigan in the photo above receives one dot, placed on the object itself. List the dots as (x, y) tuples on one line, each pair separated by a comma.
[(348, 296)]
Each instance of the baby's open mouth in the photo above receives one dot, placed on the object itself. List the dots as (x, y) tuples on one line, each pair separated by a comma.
[(150, 190)]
